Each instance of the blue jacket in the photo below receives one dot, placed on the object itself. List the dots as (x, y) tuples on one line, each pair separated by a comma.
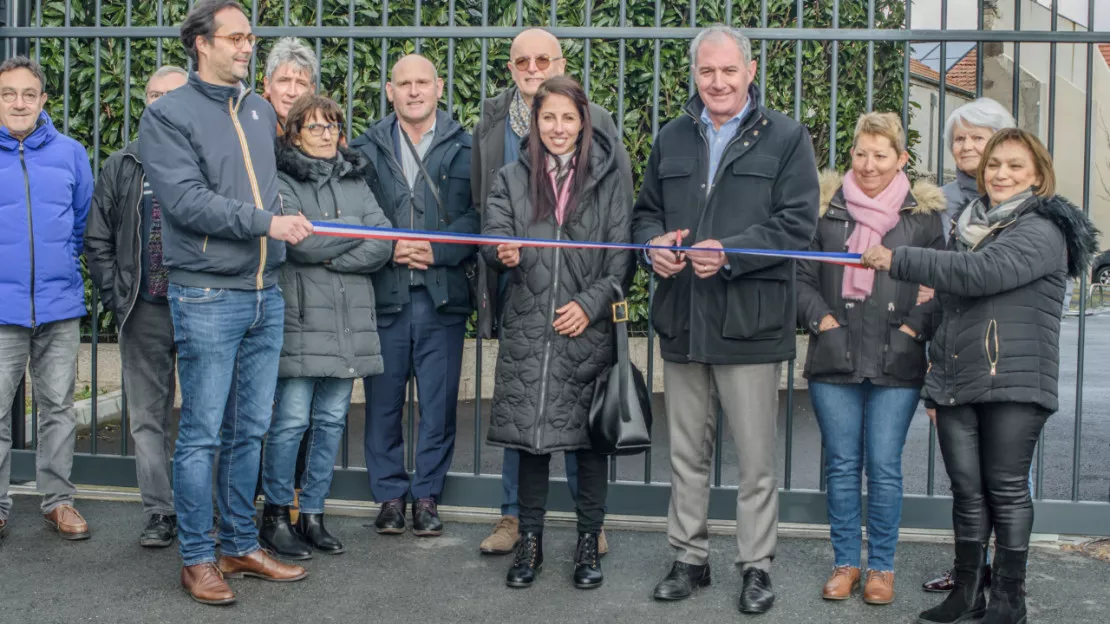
[(448, 161), (48, 186)]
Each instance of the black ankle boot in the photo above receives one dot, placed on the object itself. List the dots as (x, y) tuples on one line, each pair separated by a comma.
[(277, 534), (587, 562), (311, 529), (1007, 604), (528, 560), (967, 600)]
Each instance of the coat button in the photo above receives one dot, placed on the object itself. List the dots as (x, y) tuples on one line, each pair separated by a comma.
[(347, 330), (350, 370), (765, 122), (342, 290), (756, 133), (746, 144)]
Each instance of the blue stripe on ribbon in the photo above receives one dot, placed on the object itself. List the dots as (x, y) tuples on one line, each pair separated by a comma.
[(337, 229)]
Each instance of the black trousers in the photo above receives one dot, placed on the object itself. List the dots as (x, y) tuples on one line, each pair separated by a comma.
[(593, 484), (987, 450)]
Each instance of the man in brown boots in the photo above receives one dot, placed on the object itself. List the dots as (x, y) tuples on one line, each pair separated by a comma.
[(208, 150)]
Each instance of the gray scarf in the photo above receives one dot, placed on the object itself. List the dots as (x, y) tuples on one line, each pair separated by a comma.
[(977, 221), (520, 116)]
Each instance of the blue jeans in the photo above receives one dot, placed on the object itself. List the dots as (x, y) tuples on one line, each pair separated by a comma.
[(855, 417), (228, 343), (510, 481), (321, 402)]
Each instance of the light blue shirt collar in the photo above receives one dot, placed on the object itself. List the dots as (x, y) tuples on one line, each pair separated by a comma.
[(719, 139)]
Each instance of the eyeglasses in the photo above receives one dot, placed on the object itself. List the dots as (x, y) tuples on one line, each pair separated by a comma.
[(317, 129), (238, 39), (29, 97), (543, 61)]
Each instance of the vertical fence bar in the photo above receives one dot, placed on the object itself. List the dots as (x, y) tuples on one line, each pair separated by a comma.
[(285, 19), (651, 277), (1052, 56), (870, 57), (94, 317), (478, 338), (65, 74), (1017, 63), (621, 51), (978, 51), (127, 80), (834, 71), (762, 53), (693, 24), (350, 98), (553, 15), (789, 453), (158, 40), (587, 51), (451, 63), (384, 63), (906, 53), (19, 416), (418, 42), (1081, 353), (319, 46), (254, 56), (520, 13), (728, 16), (38, 23)]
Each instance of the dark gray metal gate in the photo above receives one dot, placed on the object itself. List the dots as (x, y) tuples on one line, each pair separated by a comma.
[(588, 26)]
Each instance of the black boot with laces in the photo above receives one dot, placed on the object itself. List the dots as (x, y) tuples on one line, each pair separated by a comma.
[(587, 562), (527, 562)]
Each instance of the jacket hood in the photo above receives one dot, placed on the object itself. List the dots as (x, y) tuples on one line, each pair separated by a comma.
[(694, 106), (1080, 234), (43, 133), (924, 197), (305, 168)]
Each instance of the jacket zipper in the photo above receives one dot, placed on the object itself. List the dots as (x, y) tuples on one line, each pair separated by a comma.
[(537, 436), (233, 110), (992, 358), (138, 248), (300, 297), (30, 228)]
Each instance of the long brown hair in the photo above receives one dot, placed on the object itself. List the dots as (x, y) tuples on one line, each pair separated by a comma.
[(543, 196)]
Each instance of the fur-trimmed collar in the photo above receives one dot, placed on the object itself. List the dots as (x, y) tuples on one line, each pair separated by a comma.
[(923, 198), (305, 168), (1080, 234)]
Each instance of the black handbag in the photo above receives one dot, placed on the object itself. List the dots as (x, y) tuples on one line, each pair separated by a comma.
[(620, 414)]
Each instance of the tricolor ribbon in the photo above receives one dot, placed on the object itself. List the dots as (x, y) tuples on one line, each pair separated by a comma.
[(343, 230)]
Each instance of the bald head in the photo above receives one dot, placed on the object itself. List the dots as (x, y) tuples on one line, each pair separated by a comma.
[(414, 89), (535, 56)]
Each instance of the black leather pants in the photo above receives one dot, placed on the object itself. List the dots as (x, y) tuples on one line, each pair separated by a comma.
[(987, 449)]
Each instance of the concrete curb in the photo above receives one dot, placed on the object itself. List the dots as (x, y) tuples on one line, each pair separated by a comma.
[(109, 409)]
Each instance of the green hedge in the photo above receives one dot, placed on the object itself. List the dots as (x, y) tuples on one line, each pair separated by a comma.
[(604, 81)]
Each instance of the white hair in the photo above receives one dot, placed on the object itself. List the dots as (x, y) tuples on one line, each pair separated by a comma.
[(720, 30), (982, 113), (291, 50)]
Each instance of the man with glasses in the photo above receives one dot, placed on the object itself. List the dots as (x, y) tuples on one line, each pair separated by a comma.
[(421, 178), (47, 186), (208, 149), (123, 248), (535, 56)]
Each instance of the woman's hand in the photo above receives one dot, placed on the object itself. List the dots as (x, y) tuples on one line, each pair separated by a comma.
[(907, 330), (509, 254), (878, 258), (932, 413), (924, 294), (572, 320), (827, 323)]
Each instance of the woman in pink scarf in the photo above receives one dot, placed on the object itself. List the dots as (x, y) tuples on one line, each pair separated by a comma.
[(866, 360)]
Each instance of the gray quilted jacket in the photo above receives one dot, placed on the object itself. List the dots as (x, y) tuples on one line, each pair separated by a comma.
[(330, 327), (999, 339), (544, 382)]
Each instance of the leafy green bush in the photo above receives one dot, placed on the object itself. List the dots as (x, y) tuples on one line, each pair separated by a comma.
[(604, 83)]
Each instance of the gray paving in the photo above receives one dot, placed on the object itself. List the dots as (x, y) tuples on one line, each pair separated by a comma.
[(109, 578)]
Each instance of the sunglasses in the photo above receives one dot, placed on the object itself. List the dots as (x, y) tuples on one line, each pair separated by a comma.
[(543, 61)]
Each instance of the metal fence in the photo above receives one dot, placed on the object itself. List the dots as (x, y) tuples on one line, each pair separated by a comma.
[(637, 487)]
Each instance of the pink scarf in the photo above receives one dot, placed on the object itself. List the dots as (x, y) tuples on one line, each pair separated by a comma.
[(874, 217), (562, 196)]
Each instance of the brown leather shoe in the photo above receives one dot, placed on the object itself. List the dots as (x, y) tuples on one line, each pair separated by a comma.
[(261, 565), (879, 589), (503, 539), (3, 528), (940, 585), (844, 580), (602, 544), (206, 584), (68, 524)]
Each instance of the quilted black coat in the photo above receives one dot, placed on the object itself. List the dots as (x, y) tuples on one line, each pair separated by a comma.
[(999, 339), (544, 381)]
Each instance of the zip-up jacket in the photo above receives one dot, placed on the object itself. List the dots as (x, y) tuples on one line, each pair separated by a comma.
[(48, 186), (113, 240), (764, 196), (448, 162), (208, 152)]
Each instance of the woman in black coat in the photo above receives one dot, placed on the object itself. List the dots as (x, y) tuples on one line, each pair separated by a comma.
[(557, 334), (995, 359)]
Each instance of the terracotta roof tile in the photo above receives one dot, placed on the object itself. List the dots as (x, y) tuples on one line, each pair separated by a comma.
[(962, 74), (1105, 49), (917, 68)]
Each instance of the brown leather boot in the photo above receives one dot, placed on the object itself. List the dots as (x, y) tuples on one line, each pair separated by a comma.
[(206, 584), (261, 565), (844, 580), (879, 589), (67, 523), (503, 539), (602, 544)]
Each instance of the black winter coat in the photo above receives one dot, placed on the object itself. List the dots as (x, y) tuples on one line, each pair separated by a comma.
[(999, 340), (868, 344), (544, 381), (113, 235), (765, 196)]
